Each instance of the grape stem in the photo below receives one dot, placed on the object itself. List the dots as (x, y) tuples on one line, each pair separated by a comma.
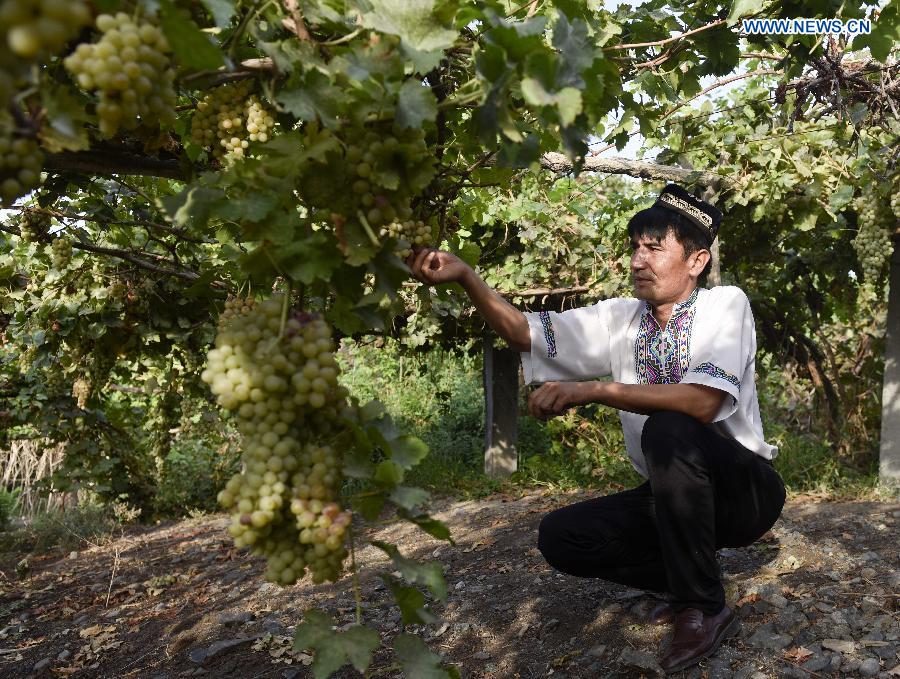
[(356, 588), (369, 232), (285, 305)]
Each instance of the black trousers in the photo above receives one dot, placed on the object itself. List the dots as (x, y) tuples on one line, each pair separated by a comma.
[(704, 491)]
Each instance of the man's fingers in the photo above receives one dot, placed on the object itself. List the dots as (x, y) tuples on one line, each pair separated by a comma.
[(420, 260)]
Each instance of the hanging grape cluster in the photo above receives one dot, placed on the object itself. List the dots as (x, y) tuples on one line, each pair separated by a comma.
[(61, 253), (36, 27), (34, 226), (895, 201), (408, 233), (873, 241), (282, 386), (228, 118), (384, 169), (20, 166), (130, 70), (81, 391)]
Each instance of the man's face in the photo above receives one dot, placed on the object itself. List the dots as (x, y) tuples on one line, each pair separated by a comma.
[(658, 268)]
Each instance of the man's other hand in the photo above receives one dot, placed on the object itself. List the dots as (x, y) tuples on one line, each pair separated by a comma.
[(432, 266), (554, 398)]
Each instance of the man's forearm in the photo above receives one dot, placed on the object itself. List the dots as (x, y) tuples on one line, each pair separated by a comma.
[(696, 400), (503, 317)]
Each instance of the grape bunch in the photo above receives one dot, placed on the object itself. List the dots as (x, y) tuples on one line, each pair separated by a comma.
[(130, 68), (408, 233), (228, 118), (872, 242), (283, 388), (117, 290), (61, 253), (234, 306), (34, 226), (895, 201), (400, 155), (20, 166), (81, 391), (36, 27)]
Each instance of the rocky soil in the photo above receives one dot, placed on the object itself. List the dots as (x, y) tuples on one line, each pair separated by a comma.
[(818, 597)]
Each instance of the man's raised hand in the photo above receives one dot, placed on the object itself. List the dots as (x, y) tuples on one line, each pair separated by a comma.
[(432, 266)]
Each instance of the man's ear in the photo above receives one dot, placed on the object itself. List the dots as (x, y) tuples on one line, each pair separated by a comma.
[(701, 258)]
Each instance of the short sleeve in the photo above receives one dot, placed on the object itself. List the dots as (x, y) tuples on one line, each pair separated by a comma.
[(569, 345), (722, 348)]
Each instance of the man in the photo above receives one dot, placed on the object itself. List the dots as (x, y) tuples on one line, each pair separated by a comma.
[(682, 363)]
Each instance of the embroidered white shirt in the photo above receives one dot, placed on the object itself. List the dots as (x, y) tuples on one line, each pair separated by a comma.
[(709, 339)]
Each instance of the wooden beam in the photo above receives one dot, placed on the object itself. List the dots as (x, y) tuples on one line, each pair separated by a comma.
[(501, 400)]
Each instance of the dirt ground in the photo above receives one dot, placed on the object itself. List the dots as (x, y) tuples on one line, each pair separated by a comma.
[(818, 597)]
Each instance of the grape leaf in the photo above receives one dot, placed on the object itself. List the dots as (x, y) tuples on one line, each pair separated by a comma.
[(415, 21), (333, 649), (742, 8), (409, 498), (410, 601), (191, 46), (418, 661), (415, 105), (429, 574), (221, 10)]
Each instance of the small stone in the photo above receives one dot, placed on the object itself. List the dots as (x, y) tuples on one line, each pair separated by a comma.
[(235, 618), (817, 663), (640, 659), (868, 572), (869, 667), (867, 557), (597, 651), (64, 655), (766, 638), (41, 665), (841, 645), (481, 655), (777, 601)]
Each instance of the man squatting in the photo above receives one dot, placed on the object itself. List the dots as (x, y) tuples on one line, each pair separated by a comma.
[(681, 359)]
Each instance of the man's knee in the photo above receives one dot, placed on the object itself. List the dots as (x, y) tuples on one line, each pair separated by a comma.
[(662, 430), (551, 541)]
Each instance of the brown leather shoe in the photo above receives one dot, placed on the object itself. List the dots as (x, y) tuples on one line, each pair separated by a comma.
[(663, 614), (697, 636)]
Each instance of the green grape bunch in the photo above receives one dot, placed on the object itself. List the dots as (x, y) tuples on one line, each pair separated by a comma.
[(129, 67), (61, 248), (20, 166), (385, 169), (408, 233), (35, 226), (277, 374), (873, 241), (895, 201), (228, 118), (40, 27), (81, 391)]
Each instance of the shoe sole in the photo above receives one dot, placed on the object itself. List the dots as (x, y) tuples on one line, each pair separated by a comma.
[(731, 630)]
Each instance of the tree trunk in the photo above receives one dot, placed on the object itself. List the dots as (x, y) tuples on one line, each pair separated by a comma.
[(501, 400), (889, 467)]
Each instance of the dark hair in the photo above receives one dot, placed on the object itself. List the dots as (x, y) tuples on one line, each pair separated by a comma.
[(656, 221)]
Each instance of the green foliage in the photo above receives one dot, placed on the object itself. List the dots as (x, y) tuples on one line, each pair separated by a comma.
[(81, 526), (9, 503)]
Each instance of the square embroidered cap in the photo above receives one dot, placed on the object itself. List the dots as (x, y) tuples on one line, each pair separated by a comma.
[(705, 216)]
